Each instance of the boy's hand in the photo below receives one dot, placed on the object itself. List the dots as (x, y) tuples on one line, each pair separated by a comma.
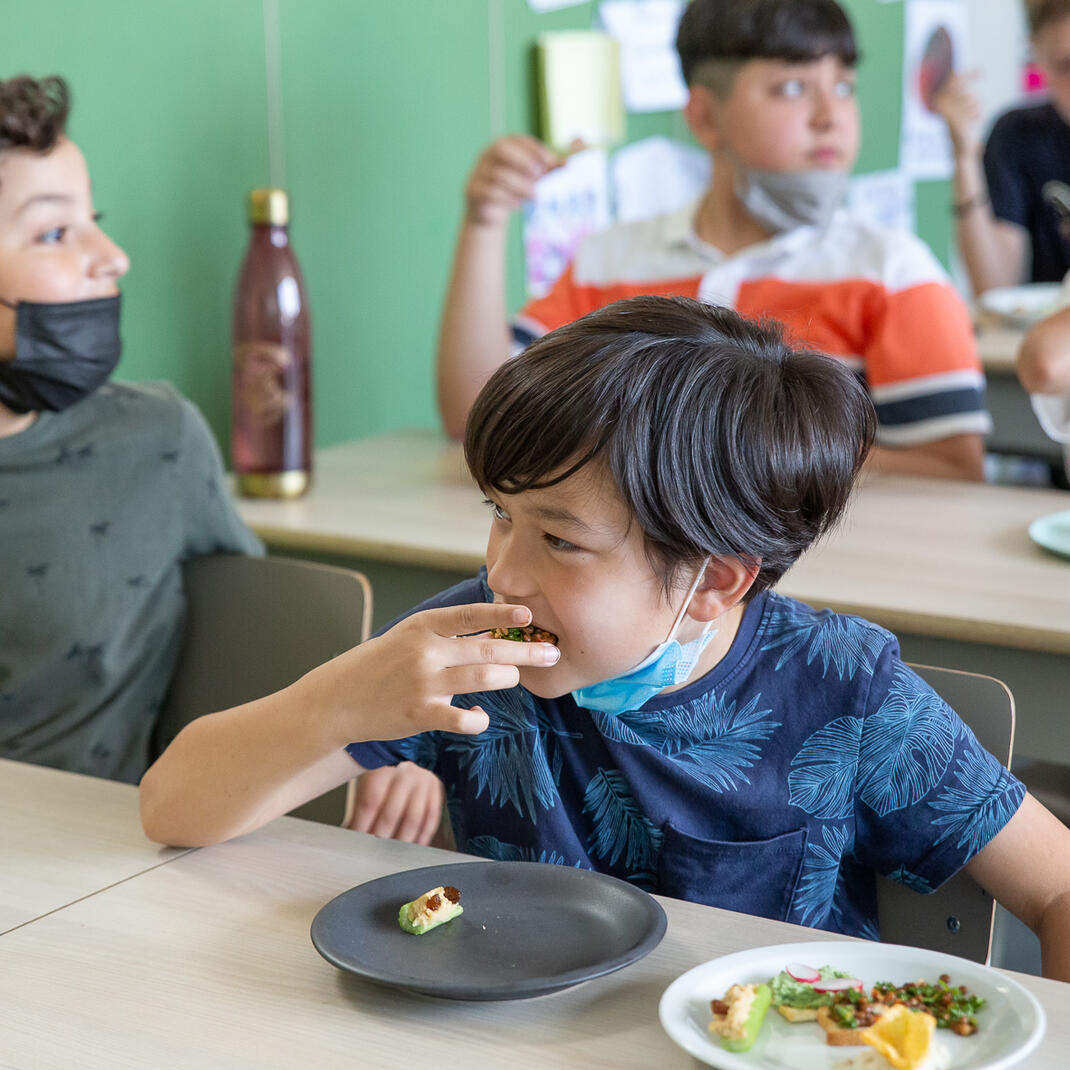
[(961, 110), (402, 682), (504, 178), (400, 802)]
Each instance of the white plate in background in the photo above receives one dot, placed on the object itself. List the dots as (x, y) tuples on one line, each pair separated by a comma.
[(1022, 306), (1009, 1027)]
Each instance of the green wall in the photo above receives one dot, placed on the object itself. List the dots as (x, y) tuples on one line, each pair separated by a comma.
[(386, 105)]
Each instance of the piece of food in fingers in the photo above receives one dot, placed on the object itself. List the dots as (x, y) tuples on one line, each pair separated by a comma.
[(738, 1017), (432, 909), (528, 634)]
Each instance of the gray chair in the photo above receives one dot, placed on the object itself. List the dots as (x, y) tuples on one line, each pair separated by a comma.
[(1049, 782), (958, 917), (254, 625)]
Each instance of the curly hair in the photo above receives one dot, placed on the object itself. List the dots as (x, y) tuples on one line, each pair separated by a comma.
[(33, 112)]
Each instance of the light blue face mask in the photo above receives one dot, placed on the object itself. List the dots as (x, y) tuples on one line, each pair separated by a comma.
[(668, 665)]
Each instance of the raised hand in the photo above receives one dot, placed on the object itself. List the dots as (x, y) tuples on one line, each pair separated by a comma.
[(961, 110), (504, 177)]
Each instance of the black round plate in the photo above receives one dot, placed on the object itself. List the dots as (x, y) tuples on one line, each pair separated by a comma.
[(527, 929)]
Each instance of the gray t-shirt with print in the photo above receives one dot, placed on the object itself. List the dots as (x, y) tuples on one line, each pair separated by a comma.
[(99, 506)]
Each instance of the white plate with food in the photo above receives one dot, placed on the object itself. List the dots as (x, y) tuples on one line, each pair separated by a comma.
[(1009, 1025), (1022, 306)]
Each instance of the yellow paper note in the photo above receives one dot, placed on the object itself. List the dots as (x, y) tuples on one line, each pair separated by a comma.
[(579, 89)]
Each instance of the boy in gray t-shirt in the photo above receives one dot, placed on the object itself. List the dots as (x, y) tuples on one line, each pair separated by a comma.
[(105, 488)]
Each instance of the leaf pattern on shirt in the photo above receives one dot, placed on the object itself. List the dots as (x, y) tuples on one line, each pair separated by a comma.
[(422, 750), (616, 728), (869, 931), (716, 741), (912, 880), (907, 745), (979, 802), (847, 644), (822, 777), (493, 848), (621, 829), (816, 892), (509, 760)]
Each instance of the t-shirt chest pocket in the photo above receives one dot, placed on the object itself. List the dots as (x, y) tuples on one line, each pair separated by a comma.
[(752, 876)]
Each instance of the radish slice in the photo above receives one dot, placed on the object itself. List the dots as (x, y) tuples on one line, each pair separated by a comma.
[(837, 984), (798, 972)]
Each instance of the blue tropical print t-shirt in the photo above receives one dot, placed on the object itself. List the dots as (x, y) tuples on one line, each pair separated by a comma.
[(804, 762)]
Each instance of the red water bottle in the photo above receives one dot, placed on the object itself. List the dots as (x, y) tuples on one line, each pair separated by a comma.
[(271, 390)]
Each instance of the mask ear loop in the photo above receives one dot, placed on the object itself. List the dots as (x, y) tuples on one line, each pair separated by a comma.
[(687, 602)]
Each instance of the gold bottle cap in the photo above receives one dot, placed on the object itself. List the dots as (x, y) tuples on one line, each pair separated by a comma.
[(269, 206), (291, 484)]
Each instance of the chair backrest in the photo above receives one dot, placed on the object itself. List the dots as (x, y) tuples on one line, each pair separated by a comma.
[(957, 917), (253, 626)]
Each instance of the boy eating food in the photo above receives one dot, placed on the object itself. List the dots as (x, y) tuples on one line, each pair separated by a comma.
[(652, 470), (771, 98)]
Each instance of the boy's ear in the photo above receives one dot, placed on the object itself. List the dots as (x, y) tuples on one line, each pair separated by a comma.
[(702, 112), (723, 585)]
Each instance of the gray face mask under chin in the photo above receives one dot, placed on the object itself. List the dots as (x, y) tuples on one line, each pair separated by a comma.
[(784, 200)]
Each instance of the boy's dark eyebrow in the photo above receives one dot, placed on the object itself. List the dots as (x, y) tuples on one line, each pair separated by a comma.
[(556, 514), (39, 198)]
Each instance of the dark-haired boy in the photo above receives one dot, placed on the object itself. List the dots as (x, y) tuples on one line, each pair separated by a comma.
[(772, 100), (652, 470)]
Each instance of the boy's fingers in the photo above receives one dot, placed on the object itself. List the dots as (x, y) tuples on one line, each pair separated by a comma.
[(444, 717), (528, 155), (372, 787), (483, 650), (506, 182), (432, 820), (477, 617), (467, 679), (392, 813), (414, 819)]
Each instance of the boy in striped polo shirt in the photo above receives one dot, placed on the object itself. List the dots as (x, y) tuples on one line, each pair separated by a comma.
[(772, 100)]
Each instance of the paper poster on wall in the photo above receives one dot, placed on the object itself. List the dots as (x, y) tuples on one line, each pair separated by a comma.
[(649, 67), (656, 175), (885, 198), (569, 203), (934, 39)]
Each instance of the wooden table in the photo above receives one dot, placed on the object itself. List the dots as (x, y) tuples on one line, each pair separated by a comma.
[(57, 846), (206, 961), (948, 566)]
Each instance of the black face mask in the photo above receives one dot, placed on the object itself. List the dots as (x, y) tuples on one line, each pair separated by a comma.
[(64, 350)]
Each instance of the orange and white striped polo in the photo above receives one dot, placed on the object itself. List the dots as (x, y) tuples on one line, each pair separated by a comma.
[(874, 297)]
